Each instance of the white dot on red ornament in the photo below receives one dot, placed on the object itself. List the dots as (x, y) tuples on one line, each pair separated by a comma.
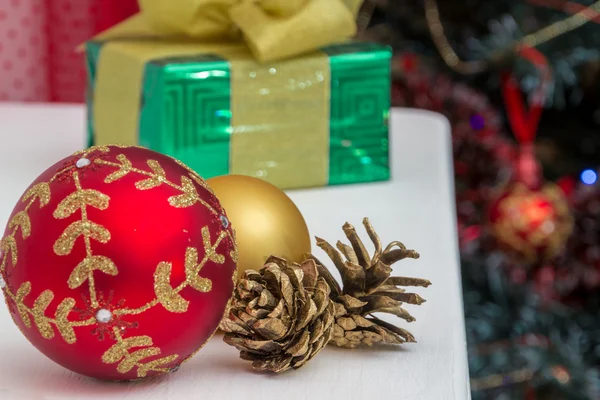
[(224, 221), (82, 162), (103, 315), (547, 227)]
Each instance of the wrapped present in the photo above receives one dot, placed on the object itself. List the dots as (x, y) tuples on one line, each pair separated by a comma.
[(311, 110)]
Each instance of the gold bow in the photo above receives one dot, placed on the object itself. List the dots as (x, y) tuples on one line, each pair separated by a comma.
[(272, 29)]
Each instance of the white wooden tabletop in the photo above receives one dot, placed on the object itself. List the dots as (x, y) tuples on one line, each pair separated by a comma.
[(415, 207)]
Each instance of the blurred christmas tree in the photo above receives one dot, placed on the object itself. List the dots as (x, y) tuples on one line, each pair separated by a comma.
[(533, 329), (478, 29)]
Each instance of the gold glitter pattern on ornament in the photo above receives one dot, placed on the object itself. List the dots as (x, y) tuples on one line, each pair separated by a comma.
[(166, 294), (85, 152), (124, 168), (85, 268), (194, 175), (65, 328), (170, 299), (41, 191), (38, 313), (80, 199), (9, 247), (192, 269), (122, 353), (84, 271), (210, 250), (20, 221), (547, 228), (234, 253), (157, 177), (189, 197)]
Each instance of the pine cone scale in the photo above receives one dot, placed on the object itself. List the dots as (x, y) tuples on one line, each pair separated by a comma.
[(307, 310), (362, 255), (352, 304), (411, 298), (270, 328), (348, 252), (236, 327), (334, 286), (300, 346), (277, 310), (394, 330), (403, 281), (321, 296), (266, 299)]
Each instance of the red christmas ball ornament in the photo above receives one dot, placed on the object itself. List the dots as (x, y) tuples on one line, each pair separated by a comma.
[(118, 263), (530, 219)]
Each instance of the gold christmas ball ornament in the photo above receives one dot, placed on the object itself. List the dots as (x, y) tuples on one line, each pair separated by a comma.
[(265, 219)]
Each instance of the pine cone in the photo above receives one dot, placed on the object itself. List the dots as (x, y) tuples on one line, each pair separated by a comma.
[(367, 289), (281, 316)]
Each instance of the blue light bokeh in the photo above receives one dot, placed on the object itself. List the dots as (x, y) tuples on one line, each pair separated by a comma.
[(589, 176)]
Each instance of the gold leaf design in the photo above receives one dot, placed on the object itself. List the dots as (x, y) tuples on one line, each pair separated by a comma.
[(21, 221), (62, 323), (133, 358), (155, 180), (40, 191), (100, 148), (78, 200), (234, 253), (157, 177), (23, 292), (188, 198), (210, 250), (125, 168), (90, 264), (37, 311), (9, 245), (155, 364), (64, 244), (39, 318), (166, 295), (121, 349), (119, 352), (192, 269), (196, 177)]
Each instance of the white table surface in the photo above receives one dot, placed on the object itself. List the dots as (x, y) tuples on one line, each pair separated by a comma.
[(416, 207)]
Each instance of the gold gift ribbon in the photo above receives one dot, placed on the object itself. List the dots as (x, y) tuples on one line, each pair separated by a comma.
[(271, 29)]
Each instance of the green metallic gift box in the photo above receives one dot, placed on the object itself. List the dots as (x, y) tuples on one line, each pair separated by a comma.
[(319, 119)]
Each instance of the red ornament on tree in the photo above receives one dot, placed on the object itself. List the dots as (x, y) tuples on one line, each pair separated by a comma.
[(530, 218), (118, 263), (532, 223)]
